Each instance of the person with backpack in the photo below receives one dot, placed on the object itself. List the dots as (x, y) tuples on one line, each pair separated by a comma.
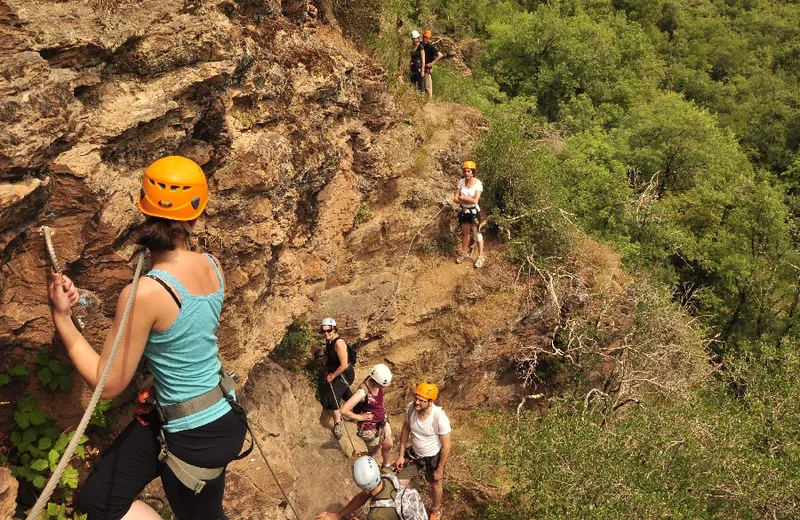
[(197, 427), (389, 500), (366, 407), (338, 373), (429, 429)]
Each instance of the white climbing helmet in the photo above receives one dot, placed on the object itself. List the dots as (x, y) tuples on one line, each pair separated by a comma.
[(415, 34), (366, 473), (381, 374), (328, 322)]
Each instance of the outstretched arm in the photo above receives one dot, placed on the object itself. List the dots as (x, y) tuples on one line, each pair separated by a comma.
[(89, 363), (355, 503)]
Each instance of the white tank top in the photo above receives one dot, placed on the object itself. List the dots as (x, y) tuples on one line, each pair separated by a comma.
[(470, 192)]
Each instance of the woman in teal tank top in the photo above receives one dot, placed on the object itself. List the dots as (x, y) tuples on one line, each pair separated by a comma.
[(172, 325)]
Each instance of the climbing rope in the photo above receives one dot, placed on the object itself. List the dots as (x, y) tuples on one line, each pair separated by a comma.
[(340, 411), (274, 475), (48, 242), (41, 503)]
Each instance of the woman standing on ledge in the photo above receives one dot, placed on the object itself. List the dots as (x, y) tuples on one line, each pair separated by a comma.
[(468, 193)]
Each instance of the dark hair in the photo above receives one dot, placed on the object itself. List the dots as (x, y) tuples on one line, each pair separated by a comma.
[(160, 234)]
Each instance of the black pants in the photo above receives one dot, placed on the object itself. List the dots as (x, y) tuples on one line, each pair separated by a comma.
[(341, 389), (418, 79), (131, 462)]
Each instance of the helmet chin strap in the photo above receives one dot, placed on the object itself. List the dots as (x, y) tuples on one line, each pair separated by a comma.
[(189, 228)]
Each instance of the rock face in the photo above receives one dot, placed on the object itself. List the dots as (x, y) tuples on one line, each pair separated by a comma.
[(296, 132), (8, 493)]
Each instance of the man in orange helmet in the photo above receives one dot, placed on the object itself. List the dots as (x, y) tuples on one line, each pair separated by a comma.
[(429, 429), (432, 55)]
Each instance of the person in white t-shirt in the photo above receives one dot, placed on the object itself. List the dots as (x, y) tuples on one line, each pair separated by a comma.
[(429, 429), (468, 193)]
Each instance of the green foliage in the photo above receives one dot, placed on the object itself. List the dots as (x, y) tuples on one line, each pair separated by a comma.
[(519, 188), (710, 457), (556, 53), (363, 214), (60, 512), (99, 417), (54, 374), (596, 185), (15, 373), (36, 448), (294, 349)]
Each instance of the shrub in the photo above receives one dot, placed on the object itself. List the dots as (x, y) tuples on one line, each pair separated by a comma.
[(294, 349)]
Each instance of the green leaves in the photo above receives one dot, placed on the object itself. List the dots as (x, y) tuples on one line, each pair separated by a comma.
[(38, 447), (40, 465), (99, 414), (294, 350), (14, 373), (54, 374)]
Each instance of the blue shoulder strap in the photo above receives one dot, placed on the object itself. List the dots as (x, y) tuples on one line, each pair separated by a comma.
[(216, 269)]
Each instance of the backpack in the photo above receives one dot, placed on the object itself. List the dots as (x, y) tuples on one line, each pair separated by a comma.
[(407, 501), (351, 355)]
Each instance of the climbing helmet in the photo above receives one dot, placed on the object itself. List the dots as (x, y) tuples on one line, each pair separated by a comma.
[(173, 188), (328, 322), (366, 473), (427, 390), (381, 374)]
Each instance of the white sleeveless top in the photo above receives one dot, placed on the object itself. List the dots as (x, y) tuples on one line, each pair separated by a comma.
[(470, 192)]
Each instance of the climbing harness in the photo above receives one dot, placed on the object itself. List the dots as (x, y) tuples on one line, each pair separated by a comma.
[(191, 476), (355, 452), (41, 503)]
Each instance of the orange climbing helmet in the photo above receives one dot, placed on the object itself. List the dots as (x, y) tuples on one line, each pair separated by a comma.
[(469, 164), (173, 188), (427, 390), (427, 33)]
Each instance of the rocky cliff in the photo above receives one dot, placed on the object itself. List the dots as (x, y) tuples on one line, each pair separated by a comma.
[(328, 197)]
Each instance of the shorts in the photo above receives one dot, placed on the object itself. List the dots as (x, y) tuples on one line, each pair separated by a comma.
[(374, 438), (131, 462), (429, 83), (341, 389), (413, 466), (469, 216)]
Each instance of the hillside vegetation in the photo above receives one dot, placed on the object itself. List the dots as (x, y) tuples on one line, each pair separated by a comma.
[(668, 130)]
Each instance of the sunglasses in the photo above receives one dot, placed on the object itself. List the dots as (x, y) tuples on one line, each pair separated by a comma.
[(325, 331)]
